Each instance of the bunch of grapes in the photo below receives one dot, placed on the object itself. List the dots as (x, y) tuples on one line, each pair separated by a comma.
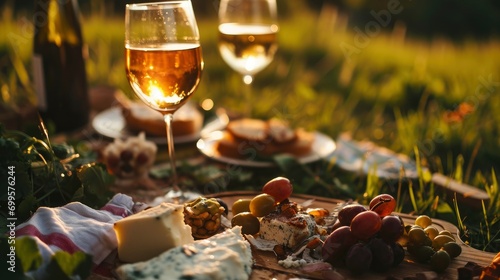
[(428, 245), (366, 239), (246, 212)]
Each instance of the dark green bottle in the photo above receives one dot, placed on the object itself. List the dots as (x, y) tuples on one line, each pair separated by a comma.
[(59, 65)]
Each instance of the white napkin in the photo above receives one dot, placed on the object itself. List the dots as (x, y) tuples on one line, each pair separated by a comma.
[(77, 227)]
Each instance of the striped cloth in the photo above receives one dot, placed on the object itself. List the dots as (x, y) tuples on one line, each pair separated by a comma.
[(76, 227)]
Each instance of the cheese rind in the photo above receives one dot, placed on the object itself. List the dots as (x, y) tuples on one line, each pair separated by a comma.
[(151, 232), (226, 255)]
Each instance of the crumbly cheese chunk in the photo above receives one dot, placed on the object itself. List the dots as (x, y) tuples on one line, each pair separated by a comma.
[(224, 256), (151, 232), (288, 232), (291, 262)]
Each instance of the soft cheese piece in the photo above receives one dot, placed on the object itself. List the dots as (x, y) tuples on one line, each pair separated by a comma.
[(151, 232), (226, 255), (287, 231)]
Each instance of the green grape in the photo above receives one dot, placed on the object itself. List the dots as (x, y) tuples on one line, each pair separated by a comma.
[(440, 261), (453, 249), (431, 231), (423, 221)]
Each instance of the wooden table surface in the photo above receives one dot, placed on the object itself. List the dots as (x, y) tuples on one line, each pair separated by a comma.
[(267, 267)]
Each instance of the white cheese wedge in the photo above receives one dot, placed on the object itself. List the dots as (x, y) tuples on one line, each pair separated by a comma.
[(226, 255), (151, 232)]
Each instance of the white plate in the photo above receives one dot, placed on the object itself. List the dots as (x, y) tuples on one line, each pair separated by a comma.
[(322, 147), (110, 123)]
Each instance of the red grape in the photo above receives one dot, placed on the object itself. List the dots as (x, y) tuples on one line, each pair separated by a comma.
[(383, 204), (347, 213), (383, 256), (280, 188), (392, 228), (366, 224), (359, 258), (399, 253), (337, 244), (335, 226)]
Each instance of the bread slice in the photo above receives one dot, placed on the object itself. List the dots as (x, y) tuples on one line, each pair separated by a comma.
[(141, 118), (138, 117), (280, 131), (250, 138), (302, 145), (248, 129)]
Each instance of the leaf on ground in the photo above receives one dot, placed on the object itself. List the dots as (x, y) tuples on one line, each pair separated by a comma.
[(64, 265), (94, 177), (28, 253)]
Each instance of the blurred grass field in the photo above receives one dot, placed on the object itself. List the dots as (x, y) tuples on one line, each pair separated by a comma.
[(436, 97)]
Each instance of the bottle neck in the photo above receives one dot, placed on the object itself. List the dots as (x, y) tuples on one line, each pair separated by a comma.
[(57, 21)]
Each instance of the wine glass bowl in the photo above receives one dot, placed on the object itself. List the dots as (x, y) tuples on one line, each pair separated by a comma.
[(247, 49), (163, 61), (164, 77), (248, 31)]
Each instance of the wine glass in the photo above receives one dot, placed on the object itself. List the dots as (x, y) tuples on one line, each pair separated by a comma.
[(163, 62), (248, 37)]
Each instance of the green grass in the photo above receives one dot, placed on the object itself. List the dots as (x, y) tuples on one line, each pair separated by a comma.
[(399, 93)]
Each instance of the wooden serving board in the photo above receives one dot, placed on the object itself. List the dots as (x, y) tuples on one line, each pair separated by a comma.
[(266, 265)]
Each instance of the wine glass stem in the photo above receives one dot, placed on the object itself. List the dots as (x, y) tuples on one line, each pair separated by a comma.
[(171, 152), (247, 80)]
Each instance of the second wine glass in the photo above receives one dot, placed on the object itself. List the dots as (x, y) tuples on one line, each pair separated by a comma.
[(248, 37), (163, 62)]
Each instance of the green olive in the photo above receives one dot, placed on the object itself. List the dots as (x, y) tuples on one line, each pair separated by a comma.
[(262, 205), (248, 222), (241, 205)]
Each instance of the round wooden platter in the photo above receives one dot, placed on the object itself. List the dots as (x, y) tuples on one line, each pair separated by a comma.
[(266, 265)]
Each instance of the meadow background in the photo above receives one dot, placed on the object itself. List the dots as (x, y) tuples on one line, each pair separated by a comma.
[(418, 77)]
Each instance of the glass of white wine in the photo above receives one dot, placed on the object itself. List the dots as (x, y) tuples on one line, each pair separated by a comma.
[(248, 31), (163, 62)]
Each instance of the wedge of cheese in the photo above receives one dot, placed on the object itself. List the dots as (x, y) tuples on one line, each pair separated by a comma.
[(287, 231), (226, 255), (151, 232)]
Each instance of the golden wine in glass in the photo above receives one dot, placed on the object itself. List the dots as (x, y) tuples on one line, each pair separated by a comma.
[(163, 62), (248, 36)]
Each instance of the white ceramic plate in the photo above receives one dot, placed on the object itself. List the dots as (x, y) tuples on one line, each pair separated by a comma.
[(110, 123), (322, 147)]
